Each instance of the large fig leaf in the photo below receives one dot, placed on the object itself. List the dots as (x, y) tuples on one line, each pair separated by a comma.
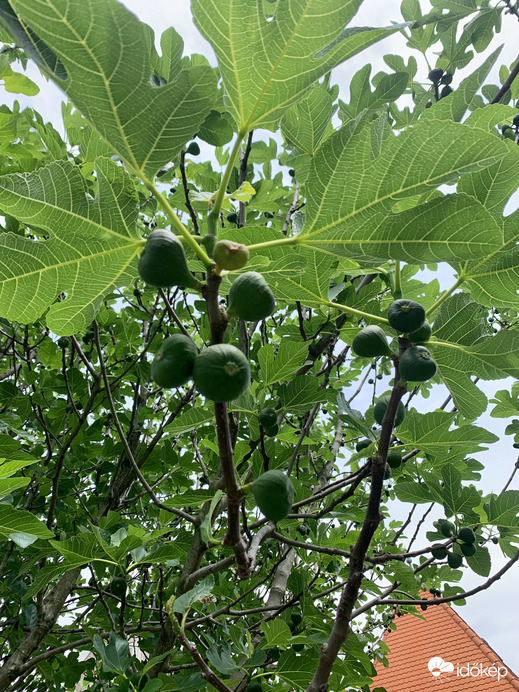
[(268, 62), (493, 279), (352, 201), (92, 248), (109, 80), (490, 358)]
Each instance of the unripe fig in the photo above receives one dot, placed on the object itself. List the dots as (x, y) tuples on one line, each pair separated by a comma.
[(370, 342), (230, 255), (422, 334), (454, 560), (193, 149), (435, 75), (362, 444), (417, 364), (406, 315), (268, 417), (250, 297), (468, 549), (447, 528), (467, 535)]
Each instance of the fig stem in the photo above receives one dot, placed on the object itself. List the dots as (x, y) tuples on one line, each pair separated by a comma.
[(398, 280), (292, 240), (444, 297), (178, 225), (212, 217), (358, 313)]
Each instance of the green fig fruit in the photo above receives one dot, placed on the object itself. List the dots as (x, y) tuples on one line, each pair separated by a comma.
[(406, 315), (174, 361), (380, 410), (221, 372), (163, 262), (417, 365), (250, 297), (274, 494), (370, 342), (229, 255)]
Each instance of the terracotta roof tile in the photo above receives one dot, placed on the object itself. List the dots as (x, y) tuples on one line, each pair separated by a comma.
[(464, 662)]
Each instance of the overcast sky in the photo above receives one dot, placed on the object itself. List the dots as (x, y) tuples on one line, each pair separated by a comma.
[(493, 614)]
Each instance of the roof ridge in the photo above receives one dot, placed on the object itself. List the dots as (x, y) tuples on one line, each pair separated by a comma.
[(485, 648), (440, 633)]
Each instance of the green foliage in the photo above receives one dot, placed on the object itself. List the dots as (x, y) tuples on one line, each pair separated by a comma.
[(353, 213)]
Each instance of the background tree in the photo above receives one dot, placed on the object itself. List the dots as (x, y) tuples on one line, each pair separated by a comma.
[(132, 464)]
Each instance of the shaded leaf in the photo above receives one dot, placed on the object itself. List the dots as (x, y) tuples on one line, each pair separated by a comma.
[(112, 87), (93, 244), (358, 219), (270, 64), (21, 526), (115, 655)]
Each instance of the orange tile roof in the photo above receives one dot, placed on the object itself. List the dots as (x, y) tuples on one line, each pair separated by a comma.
[(463, 661)]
